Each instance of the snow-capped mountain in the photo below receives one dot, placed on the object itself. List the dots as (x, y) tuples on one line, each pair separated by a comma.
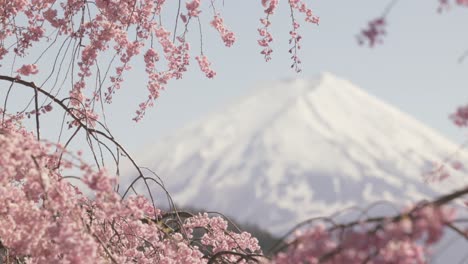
[(297, 149)]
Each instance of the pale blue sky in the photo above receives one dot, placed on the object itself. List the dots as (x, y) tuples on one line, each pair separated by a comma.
[(415, 70)]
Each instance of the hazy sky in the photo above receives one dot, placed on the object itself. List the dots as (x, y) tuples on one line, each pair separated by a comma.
[(415, 70)]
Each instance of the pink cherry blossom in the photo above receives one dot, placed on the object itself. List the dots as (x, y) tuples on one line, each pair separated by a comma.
[(460, 117), (373, 33), (58, 208), (28, 69), (205, 66), (227, 36)]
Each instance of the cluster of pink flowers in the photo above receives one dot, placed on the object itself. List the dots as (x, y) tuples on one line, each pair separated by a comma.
[(205, 66), (45, 219), (373, 33), (295, 39), (122, 29), (460, 117), (41, 110), (403, 239), (28, 69), (218, 238), (266, 37), (302, 7), (193, 8), (270, 6), (445, 4), (228, 36)]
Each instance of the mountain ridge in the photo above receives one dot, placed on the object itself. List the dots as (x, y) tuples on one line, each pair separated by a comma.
[(297, 149)]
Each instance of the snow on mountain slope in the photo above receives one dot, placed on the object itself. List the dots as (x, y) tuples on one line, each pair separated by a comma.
[(296, 149)]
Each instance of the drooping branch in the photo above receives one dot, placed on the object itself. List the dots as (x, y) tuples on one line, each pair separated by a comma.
[(333, 243), (85, 126)]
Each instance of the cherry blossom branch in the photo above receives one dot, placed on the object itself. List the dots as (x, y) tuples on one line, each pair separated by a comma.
[(5, 103), (376, 28), (90, 131), (36, 105), (424, 217)]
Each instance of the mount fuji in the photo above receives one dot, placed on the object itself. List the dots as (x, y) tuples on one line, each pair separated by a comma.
[(297, 149)]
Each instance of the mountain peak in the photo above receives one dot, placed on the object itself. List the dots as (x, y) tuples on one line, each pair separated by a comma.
[(296, 149), (327, 76)]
